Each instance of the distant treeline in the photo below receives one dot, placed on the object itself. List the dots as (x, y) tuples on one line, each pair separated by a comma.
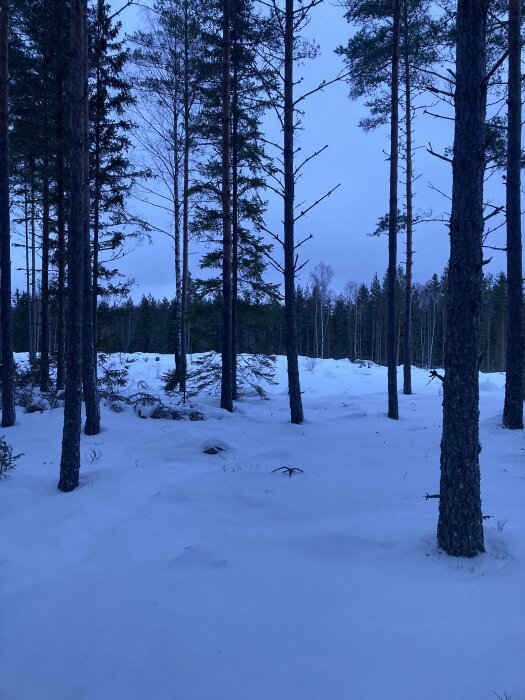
[(350, 324)]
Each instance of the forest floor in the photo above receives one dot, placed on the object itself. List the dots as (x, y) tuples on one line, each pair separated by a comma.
[(172, 574)]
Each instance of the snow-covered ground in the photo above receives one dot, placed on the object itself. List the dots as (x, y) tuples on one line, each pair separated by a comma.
[(172, 574)]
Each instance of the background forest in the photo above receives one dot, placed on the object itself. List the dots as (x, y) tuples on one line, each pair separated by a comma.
[(351, 324)]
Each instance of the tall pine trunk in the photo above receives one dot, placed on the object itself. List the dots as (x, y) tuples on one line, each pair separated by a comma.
[(61, 241), (513, 407), (185, 207), (61, 275), (393, 410), (28, 271), (8, 368), (294, 386), (407, 339), (44, 289), (177, 236), (34, 334), (70, 459), (226, 331), (460, 526), (97, 181), (89, 367), (235, 215)]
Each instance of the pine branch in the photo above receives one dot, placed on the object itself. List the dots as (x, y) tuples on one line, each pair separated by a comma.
[(322, 85), (318, 201), (438, 155)]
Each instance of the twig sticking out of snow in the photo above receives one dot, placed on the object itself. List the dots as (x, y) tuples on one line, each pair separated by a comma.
[(288, 470)]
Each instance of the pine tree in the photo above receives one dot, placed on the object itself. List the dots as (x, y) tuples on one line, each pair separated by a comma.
[(284, 48), (393, 409), (369, 57), (460, 526), (70, 459), (165, 59)]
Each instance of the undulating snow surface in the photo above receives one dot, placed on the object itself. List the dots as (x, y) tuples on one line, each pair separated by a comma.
[(171, 574)]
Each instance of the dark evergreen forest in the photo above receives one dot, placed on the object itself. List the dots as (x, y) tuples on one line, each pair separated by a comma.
[(350, 324)]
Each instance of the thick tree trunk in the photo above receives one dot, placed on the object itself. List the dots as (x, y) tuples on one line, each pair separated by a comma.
[(513, 407), (89, 367), (226, 375), (70, 459), (460, 526), (294, 385), (407, 340), (8, 368), (393, 410), (97, 184)]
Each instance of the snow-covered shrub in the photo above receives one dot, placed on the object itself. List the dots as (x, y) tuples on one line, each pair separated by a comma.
[(7, 459), (146, 407), (168, 413), (26, 384)]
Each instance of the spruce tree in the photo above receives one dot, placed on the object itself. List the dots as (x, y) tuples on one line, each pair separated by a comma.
[(248, 159), (89, 364), (112, 174)]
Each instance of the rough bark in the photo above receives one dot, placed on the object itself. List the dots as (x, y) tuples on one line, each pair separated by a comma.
[(226, 333), (235, 216), (89, 367), (393, 410), (97, 184), (513, 406), (8, 369), (70, 459), (294, 386), (460, 526)]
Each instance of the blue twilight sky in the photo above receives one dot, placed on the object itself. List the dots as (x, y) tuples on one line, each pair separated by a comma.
[(355, 159)]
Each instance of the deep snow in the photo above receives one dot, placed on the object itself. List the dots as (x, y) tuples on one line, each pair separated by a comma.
[(171, 574)]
